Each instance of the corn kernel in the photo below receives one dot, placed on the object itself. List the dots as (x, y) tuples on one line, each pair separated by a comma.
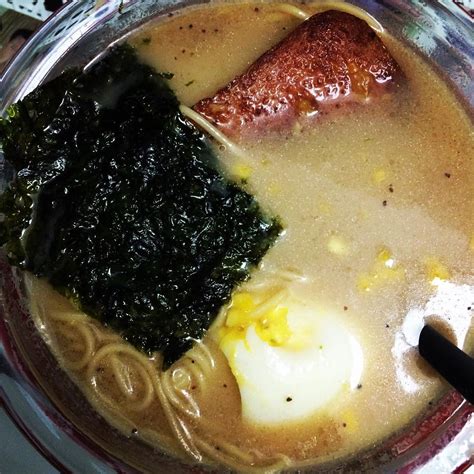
[(383, 270), (379, 176), (384, 255), (242, 171), (273, 189), (337, 245), (435, 270)]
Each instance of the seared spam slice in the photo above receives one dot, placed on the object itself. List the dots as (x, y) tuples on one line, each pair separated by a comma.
[(330, 59)]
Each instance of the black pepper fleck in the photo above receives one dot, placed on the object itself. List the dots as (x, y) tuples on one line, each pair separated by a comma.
[(359, 386), (180, 27), (192, 361), (256, 9), (203, 30), (183, 51), (289, 399), (448, 175), (134, 431), (469, 308), (390, 188), (170, 15), (387, 325), (344, 425), (345, 308), (190, 26), (384, 203), (225, 385), (216, 30)]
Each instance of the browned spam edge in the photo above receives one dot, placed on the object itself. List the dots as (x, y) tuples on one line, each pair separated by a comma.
[(331, 58)]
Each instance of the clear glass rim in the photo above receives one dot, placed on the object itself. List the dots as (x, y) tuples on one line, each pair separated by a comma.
[(459, 408)]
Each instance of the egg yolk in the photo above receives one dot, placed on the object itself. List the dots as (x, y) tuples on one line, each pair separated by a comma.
[(288, 356), (268, 317)]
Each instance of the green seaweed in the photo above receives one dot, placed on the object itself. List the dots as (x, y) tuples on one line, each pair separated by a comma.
[(118, 202)]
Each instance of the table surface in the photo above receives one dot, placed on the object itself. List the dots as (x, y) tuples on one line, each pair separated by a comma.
[(17, 455)]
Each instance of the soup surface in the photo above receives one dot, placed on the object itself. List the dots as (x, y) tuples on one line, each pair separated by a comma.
[(377, 204)]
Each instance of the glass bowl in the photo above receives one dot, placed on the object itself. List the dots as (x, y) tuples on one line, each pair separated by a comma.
[(62, 425)]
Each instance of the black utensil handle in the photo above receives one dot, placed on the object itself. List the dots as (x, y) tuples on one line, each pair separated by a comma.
[(452, 363)]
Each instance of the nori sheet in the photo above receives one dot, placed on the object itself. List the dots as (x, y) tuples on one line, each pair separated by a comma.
[(118, 202)]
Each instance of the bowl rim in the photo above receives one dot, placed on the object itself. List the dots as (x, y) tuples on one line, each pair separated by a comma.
[(460, 412)]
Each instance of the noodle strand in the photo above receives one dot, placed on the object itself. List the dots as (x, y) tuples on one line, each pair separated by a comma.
[(198, 119), (292, 10), (141, 382)]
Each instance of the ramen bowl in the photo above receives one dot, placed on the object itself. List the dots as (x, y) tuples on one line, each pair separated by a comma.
[(48, 407)]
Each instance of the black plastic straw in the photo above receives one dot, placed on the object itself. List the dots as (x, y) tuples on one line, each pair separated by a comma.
[(452, 363)]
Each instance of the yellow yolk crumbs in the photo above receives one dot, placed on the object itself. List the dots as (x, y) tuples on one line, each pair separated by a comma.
[(338, 245), (435, 270), (384, 270), (273, 189), (242, 171), (379, 176), (273, 327), (269, 320)]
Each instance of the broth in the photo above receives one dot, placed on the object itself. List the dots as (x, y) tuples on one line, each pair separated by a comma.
[(377, 204)]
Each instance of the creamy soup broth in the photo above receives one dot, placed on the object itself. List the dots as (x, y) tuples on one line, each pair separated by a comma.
[(377, 204)]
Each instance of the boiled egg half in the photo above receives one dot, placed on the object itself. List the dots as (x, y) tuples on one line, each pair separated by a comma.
[(289, 357)]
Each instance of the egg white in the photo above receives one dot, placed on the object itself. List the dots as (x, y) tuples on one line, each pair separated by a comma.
[(293, 380)]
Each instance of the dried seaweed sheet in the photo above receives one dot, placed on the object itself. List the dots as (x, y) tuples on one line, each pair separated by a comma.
[(118, 202)]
